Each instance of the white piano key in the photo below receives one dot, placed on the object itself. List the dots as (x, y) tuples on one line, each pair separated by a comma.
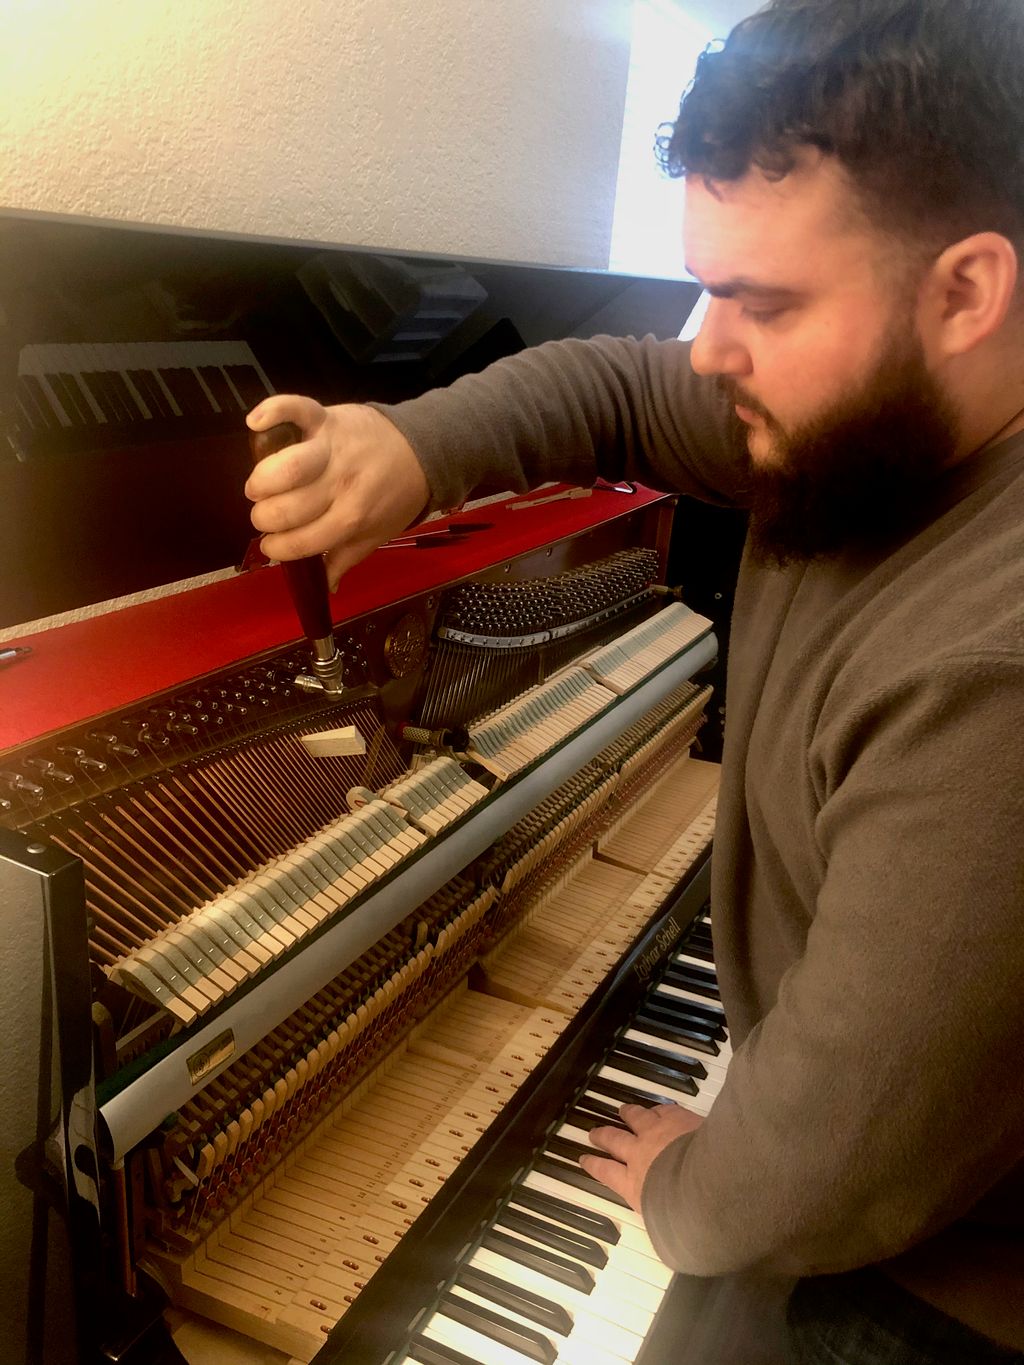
[(471, 1343), (639, 1279), (594, 1326), (688, 960), (628, 1222), (712, 1064), (616, 1298)]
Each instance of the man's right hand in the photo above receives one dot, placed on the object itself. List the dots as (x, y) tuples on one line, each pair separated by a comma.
[(352, 483)]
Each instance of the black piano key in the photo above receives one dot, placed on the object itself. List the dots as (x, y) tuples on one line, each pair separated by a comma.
[(569, 1243), (570, 1148), (25, 416), (152, 393), (580, 1118), (120, 396), (85, 392), (713, 1014), (651, 1071), (425, 1352), (606, 1112), (571, 1174), (561, 1269), (74, 400), (74, 404), (220, 388), (660, 1057), (707, 1016), (544, 1312), (701, 947), (93, 382), (570, 1215), (689, 979), (499, 1328), (706, 975), (118, 392), (685, 1037), (116, 396), (250, 386), (627, 1094), (186, 390), (36, 404)]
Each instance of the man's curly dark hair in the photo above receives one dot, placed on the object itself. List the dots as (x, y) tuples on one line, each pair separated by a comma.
[(920, 101)]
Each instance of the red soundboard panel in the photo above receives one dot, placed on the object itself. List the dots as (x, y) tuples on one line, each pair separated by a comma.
[(92, 667)]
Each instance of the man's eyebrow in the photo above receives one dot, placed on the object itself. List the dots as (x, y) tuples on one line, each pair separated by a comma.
[(728, 289)]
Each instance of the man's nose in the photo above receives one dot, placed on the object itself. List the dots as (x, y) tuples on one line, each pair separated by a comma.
[(716, 349)]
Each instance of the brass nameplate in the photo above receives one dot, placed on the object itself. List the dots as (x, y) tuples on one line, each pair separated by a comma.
[(655, 955), (210, 1057)]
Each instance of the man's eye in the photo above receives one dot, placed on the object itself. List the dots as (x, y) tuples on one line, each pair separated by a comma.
[(763, 314)]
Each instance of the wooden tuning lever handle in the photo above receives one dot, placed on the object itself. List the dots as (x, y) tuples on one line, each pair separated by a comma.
[(307, 578)]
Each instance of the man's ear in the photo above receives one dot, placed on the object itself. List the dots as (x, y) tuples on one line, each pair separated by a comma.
[(967, 293)]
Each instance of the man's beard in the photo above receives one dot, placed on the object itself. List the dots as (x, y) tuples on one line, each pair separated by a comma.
[(859, 475)]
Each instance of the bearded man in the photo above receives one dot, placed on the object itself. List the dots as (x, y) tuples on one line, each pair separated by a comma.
[(855, 210)]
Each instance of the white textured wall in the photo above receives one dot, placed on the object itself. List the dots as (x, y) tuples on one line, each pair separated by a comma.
[(483, 127)]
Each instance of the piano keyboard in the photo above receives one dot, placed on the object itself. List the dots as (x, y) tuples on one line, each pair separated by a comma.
[(80, 386), (564, 1270)]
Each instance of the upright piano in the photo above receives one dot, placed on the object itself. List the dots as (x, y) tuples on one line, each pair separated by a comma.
[(317, 993)]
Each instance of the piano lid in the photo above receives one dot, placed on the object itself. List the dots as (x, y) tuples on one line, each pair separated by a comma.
[(129, 356)]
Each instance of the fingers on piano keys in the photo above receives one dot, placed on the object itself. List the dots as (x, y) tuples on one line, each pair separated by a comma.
[(566, 1272)]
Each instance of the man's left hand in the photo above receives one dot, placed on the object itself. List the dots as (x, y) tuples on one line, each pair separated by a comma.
[(651, 1129)]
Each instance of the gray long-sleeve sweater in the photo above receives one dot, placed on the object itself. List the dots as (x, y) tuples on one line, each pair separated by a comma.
[(868, 879)]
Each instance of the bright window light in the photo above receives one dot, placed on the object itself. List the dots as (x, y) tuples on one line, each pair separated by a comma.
[(647, 226)]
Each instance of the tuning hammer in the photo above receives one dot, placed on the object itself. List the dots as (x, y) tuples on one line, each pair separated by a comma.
[(307, 578)]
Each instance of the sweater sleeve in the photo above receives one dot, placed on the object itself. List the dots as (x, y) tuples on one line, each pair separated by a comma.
[(610, 407), (880, 1099)]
